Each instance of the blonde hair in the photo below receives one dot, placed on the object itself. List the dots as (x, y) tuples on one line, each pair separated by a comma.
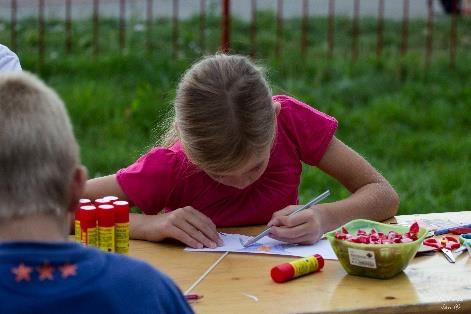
[(38, 151), (223, 112)]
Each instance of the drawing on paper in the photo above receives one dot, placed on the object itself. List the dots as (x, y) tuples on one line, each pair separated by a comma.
[(266, 248), (266, 245)]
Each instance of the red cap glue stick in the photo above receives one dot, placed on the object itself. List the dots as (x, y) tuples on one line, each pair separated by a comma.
[(297, 268), (105, 216), (88, 225), (102, 201), (78, 212), (121, 226), (110, 199)]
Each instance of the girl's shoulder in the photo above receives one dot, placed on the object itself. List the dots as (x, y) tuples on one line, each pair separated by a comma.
[(170, 160), (164, 156), (293, 109), (306, 128), (292, 106)]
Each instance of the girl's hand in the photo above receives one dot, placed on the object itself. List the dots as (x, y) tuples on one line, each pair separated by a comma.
[(304, 227), (187, 225)]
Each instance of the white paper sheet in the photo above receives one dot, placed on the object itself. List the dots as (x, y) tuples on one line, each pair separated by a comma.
[(266, 245), (435, 221)]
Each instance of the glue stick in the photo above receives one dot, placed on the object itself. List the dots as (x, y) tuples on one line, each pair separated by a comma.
[(121, 225), (110, 199), (105, 215), (77, 225), (297, 268), (88, 225), (85, 201), (101, 201), (82, 202)]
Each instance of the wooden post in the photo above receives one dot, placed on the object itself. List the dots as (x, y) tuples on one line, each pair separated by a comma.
[(304, 27), (41, 48), (453, 33), (225, 25), (122, 24), (428, 52), (405, 27), (68, 27), (279, 28), (175, 28), (253, 30), (355, 29), (149, 17), (14, 8), (203, 26), (96, 7), (379, 30), (331, 29)]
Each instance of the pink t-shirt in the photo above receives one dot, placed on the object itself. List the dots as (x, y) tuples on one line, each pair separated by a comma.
[(163, 178)]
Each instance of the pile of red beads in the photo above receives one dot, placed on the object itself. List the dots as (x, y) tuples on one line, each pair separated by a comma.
[(375, 237)]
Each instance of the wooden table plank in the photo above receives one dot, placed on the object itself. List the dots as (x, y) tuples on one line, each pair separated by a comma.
[(429, 281), (429, 284), (183, 267)]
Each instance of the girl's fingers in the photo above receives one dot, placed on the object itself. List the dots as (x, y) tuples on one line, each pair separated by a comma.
[(281, 213), (300, 228), (300, 218), (285, 211), (192, 231), (204, 224), (273, 222), (289, 233), (182, 236), (195, 225)]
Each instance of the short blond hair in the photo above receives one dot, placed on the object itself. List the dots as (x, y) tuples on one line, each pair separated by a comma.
[(38, 151), (223, 112)]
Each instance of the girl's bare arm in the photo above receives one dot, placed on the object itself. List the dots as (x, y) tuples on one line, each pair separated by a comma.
[(103, 186), (184, 224), (372, 198)]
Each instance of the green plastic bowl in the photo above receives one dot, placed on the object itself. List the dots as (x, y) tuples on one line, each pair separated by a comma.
[(381, 261)]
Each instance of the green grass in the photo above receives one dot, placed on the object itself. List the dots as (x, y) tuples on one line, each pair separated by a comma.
[(410, 122)]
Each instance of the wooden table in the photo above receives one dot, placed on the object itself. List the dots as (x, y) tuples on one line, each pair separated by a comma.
[(241, 283)]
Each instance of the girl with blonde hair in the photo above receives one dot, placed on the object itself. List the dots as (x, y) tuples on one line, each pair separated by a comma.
[(234, 157)]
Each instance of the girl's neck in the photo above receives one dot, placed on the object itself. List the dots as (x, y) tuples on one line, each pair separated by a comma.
[(38, 227)]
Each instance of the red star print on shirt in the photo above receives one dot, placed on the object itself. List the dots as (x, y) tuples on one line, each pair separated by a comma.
[(45, 272), (22, 272), (68, 270)]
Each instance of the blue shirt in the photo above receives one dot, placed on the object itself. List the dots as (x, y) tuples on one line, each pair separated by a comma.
[(65, 277)]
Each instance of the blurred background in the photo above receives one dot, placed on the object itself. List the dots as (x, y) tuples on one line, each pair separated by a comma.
[(395, 73)]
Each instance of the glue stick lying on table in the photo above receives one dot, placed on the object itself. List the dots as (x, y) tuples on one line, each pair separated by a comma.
[(297, 268)]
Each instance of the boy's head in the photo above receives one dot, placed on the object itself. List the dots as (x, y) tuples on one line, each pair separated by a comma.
[(225, 118), (40, 172)]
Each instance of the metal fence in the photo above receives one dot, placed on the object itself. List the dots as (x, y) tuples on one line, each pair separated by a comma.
[(225, 29)]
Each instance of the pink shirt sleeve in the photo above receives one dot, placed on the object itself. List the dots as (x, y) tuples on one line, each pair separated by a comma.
[(149, 181), (311, 130)]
